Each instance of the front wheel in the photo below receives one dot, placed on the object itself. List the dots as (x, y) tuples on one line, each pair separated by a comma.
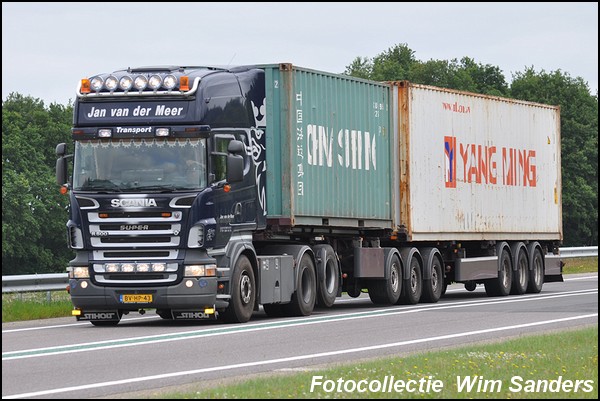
[(108, 323), (243, 292), (165, 314)]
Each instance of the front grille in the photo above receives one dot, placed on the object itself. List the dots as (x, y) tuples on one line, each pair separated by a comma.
[(135, 254), (137, 215), (135, 240), (148, 237)]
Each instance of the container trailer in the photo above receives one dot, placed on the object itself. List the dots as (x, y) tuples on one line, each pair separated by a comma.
[(208, 193)]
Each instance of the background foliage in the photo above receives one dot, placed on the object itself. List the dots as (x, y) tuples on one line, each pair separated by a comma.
[(34, 214)]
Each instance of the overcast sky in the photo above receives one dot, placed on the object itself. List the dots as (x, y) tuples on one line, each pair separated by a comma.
[(48, 47)]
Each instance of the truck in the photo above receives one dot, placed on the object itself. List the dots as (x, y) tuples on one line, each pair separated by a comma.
[(204, 192)]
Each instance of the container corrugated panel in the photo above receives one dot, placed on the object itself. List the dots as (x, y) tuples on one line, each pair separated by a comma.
[(328, 148), (477, 167)]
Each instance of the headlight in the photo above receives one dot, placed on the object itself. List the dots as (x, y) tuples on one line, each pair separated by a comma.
[(196, 237), (128, 267), (140, 82), (111, 83), (159, 267), (126, 83), (112, 267), (170, 82), (143, 267), (97, 83), (80, 272), (200, 271), (154, 82)]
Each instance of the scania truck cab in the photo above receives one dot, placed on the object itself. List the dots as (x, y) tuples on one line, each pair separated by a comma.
[(167, 188)]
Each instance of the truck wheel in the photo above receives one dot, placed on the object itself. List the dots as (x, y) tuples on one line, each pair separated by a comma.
[(329, 276), (243, 292), (433, 287), (387, 291), (413, 284), (353, 288), (536, 274), (273, 310), (165, 314), (304, 298), (107, 323), (521, 275), (500, 286), (470, 286)]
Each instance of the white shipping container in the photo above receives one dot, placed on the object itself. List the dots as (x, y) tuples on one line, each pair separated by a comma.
[(474, 167)]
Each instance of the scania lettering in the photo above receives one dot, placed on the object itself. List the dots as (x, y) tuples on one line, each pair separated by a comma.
[(216, 193), (133, 202)]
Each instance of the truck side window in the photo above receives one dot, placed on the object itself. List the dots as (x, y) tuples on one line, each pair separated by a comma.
[(220, 158)]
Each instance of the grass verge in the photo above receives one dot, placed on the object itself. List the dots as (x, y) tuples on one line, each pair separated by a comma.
[(554, 366)]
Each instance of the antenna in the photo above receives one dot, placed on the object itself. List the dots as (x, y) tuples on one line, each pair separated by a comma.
[(230, 60)]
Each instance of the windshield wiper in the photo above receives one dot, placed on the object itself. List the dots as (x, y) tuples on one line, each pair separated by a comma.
[(106, 185), (163, 188)]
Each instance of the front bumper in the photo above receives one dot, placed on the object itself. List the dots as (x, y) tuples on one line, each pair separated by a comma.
[(190, 293)]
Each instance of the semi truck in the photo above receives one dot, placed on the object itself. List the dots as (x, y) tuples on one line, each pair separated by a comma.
[(209, 193)]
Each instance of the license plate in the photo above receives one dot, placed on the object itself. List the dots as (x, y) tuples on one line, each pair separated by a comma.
[(136, 298)]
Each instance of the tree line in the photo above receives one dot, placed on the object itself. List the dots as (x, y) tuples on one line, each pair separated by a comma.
[(34, 214)]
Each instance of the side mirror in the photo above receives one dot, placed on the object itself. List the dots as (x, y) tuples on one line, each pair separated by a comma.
[(235, 147), (61, 149), (235, 168), (61, 164), (61, 171)]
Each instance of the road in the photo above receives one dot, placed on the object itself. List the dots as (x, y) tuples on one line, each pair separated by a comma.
[(61, 358)]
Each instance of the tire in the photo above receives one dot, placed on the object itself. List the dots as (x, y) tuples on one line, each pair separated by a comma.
[(470, 286), (520, 280), (412, 286), (536, 273), (444, 287), (501, 285), (165, 314), (107, 323), (304, 298), (433, 287), (273, 310), (243, 292), (387, 291), (353, 288), (329, 276)]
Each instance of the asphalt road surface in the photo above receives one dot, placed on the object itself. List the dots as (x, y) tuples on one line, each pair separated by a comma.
[(62, 358)]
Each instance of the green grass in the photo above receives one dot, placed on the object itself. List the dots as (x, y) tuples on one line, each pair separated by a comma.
[(580, 265), (35, 305), (518, 368)]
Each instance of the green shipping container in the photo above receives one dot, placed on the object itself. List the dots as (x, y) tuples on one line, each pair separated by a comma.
[(329, 146)]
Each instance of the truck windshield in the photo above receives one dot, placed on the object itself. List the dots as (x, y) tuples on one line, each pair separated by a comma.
[(145, 164)]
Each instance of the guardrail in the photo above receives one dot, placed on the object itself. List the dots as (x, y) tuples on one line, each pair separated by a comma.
[(579, 252), (59, 281)]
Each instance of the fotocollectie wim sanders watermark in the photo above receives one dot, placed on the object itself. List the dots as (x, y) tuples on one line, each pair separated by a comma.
[(464, 384)]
